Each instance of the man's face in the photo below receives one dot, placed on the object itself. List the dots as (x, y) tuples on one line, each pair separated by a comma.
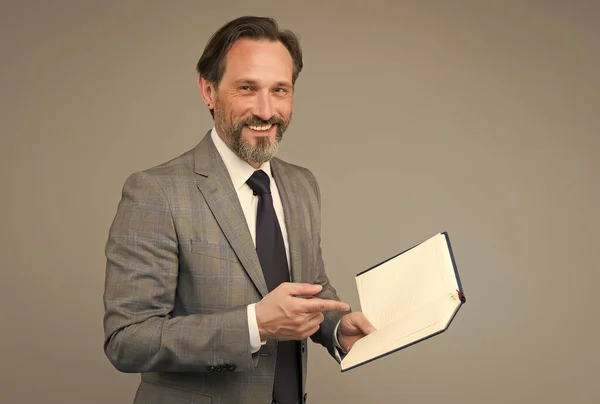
[(253, 103)]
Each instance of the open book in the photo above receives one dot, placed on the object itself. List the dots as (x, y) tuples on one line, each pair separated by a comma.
[(408, 298)]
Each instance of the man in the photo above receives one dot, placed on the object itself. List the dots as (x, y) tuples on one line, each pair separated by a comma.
[(214, 276)]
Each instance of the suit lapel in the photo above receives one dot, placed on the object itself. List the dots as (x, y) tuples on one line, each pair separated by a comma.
[(215, 185), (292, 210)]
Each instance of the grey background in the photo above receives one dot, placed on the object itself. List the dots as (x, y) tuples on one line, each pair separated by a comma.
[(475, 117)]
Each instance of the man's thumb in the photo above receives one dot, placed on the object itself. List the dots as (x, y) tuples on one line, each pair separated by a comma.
[(365, 325)]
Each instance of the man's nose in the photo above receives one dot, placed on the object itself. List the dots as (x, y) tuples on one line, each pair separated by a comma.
[(263, 108)]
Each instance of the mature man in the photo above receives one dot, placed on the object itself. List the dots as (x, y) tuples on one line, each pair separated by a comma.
[(214, 276)]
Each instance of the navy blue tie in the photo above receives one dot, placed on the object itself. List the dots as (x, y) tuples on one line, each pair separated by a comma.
[(271, 254)]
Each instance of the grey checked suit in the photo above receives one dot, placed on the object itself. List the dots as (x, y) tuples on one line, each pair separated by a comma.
[(182, 268)]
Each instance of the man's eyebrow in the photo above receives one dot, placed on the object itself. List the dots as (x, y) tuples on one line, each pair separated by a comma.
[(284, 84), (245, 81), (255, 83)]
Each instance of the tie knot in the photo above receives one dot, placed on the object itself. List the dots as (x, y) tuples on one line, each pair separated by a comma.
[(259, 182)]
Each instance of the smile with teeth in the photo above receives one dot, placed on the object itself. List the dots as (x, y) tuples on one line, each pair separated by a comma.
[(260, 128)]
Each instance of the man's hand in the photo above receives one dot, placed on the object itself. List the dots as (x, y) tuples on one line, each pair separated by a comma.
[(353, 326), (281, 315)]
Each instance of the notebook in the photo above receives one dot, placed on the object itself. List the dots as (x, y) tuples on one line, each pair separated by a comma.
[(408, 298)]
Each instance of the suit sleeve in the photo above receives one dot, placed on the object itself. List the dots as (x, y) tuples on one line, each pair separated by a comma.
[(141, 333), (326, 333)]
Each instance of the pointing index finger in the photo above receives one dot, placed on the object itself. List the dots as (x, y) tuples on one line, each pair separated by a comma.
[(318, 304)]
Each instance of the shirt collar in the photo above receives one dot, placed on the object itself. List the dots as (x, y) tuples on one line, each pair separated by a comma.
[(239, 170)]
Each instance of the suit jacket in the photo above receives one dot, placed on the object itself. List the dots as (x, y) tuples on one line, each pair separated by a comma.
[(181, 269)]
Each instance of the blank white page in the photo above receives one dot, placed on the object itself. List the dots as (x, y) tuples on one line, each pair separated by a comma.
[(401, 285)]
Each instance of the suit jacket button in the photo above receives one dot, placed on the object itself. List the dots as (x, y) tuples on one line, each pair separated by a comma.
[(303, 347)]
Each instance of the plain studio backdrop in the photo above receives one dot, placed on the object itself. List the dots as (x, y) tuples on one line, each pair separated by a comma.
[(479, 118)]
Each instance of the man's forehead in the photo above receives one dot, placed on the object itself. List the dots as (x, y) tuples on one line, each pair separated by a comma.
[(248, 55)]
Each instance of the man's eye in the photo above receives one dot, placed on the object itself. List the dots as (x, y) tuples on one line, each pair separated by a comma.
[(245, 88), (281, 90)]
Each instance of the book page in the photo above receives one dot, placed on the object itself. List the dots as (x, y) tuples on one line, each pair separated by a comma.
[(405, 283), (417, 325)]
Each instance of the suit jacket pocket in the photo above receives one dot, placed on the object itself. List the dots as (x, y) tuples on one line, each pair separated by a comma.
[(151, 393), (214, 249)]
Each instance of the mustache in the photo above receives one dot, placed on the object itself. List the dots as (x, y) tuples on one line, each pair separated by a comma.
[(256, 121)]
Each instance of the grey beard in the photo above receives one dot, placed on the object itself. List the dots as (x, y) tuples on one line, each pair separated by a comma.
[(231, 133), (263, 151)]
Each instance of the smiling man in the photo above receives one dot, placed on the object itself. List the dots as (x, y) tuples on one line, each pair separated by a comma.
[(253, 97), (214, 274)]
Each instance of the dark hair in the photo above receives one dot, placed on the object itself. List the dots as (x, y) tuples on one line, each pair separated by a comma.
[(211, 65)]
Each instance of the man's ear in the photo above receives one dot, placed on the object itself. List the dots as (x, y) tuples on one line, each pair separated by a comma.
[(208, 93)]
